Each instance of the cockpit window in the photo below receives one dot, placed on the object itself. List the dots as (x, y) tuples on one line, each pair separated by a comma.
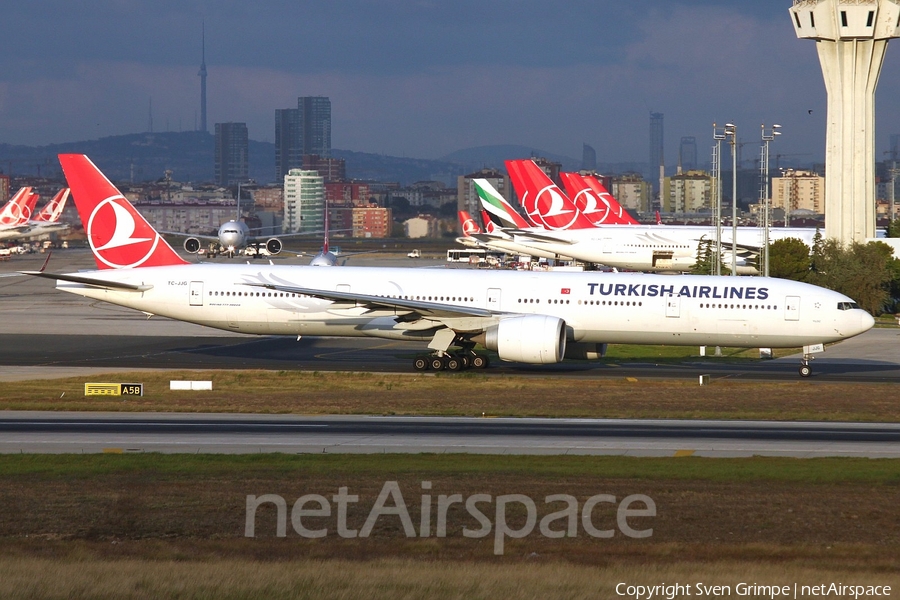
[(847, 305)]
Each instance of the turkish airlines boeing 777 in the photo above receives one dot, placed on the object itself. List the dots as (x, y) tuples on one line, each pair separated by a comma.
[(526, 317)]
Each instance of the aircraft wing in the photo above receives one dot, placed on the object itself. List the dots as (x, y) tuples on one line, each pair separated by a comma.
[(424, 309), (91, 281), (211, 238), (537, 237)]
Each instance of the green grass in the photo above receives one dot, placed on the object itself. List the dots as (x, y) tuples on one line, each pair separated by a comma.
[(819, 470)]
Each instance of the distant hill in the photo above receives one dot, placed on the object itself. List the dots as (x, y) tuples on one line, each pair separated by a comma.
[(493, 157), (190, 156)]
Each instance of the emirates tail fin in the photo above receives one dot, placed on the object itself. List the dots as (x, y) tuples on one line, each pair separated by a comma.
[(118, 234), (497, 206)]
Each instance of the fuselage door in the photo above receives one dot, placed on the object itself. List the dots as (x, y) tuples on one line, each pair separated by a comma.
[(608, 246), (673, 307), (493, 299), (792, 308), (196, 293)]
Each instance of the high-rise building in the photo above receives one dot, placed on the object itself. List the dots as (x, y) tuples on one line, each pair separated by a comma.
[(304, 202), (232, 153), (301, 131), (288, 151), (656, 158), (315, 125), (588, 158), (202, 75), (895, 146), (687, 154)]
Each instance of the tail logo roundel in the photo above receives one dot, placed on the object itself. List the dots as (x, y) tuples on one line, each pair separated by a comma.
[(111, 232), (470, 226), (549, 208), (17, 215)]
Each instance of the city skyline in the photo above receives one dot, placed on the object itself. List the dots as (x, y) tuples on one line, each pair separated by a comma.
[(425, 80)]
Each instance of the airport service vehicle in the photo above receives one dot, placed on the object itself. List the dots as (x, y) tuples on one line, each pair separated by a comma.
[(537, 318)]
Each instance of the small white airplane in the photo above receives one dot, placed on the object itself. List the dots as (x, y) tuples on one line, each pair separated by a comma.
[(233, 237), (537, 318)]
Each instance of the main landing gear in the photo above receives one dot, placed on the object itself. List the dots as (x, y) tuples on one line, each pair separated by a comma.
[(451, 361)]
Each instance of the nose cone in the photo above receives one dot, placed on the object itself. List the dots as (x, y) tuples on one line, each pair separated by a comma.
[(866, 321)]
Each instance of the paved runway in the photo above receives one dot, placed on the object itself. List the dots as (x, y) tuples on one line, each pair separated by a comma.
[(240, 434), (46, 333)]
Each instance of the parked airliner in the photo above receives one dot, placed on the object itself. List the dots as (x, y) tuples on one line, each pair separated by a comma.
[(537, 318)]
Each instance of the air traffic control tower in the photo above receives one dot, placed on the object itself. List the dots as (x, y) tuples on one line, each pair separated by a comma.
[(851, 38)]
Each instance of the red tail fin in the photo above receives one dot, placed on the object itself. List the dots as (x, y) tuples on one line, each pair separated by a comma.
[(468, 224), (545, 204), (18, 210), (119, 236), (618, 212), (53, 209), (658, 219), (592, 205)]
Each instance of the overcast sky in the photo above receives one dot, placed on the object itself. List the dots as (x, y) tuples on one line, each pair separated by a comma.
[(422, 78)]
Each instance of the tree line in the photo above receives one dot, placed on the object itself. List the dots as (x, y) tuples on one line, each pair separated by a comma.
[(867, 273)]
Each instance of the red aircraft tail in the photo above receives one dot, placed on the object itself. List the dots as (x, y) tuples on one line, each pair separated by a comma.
[(19, 208), (53, 209), (118, 234), (468, 224), (620, 214), (545, 204)]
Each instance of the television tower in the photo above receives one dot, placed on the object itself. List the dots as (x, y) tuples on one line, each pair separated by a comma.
[(851, 38), (202, 75)]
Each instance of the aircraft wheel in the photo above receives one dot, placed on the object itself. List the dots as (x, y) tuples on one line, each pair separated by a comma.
[(465, 360), (805, 370), (480, 361), (454, 363), (420, 363), (437, 363)]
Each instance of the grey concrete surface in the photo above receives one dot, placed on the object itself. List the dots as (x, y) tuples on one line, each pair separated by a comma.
[(34, 432)]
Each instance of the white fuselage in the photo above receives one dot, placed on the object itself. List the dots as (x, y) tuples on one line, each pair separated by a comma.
[(660, 248), (596, 307)]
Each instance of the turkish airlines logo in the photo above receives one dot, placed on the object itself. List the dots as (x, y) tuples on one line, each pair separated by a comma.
[(549, 207), (15, 214), (470, 226), (117, 239), (589, 204)]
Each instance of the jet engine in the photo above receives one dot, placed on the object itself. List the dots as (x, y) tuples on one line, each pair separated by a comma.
[(535, 339), (583, 351), (192, 245), (273, 246)]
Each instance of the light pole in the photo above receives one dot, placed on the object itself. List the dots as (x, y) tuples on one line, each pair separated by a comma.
[(767, 136), (731, 132), (718, 136)]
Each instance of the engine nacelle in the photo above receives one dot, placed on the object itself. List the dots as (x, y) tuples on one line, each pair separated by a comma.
[(192, 245), (535, 339), (584, 351), (273, 246)]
